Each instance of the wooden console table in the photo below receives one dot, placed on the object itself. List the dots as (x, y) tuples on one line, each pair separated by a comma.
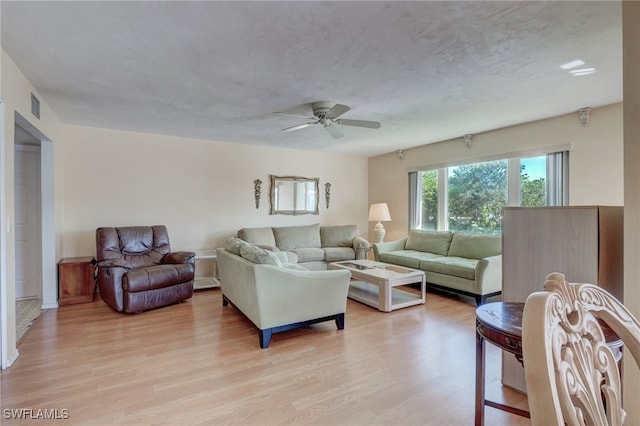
[(500, 323)]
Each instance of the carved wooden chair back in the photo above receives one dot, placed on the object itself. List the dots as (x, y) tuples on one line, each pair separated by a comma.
[(572, 375)]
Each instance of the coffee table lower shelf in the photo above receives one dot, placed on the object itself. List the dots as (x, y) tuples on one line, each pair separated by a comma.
[(369, 294)]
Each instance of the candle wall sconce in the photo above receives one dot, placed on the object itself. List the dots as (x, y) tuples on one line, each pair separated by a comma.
[(257, 184), (327, 193)]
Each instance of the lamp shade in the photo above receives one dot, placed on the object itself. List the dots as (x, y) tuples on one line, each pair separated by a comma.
[(379, 212)]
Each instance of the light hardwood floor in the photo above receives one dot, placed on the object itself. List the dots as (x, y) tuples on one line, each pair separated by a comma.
[(200, 363)]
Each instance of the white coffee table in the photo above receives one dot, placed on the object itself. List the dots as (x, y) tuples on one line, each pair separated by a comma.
[(375, 284)]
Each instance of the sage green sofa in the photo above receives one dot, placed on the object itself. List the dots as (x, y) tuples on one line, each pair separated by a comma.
[(275, 295), (469, 264), (313, 246)]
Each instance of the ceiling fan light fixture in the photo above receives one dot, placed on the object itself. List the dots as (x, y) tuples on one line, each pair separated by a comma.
[(327, 113)]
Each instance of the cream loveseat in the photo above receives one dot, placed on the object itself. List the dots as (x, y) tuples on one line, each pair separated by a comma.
[(469, 264), (275, 295), (314, 246)]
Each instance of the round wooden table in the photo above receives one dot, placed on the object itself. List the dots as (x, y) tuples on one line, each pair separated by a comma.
[(500, 323)]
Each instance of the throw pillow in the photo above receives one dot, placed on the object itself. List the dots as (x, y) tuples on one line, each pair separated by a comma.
[(234, 244), (258, 255)]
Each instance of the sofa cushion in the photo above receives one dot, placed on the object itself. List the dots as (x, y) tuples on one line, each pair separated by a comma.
[(448, 265), (294, 267), (436, 242), (409, 258), (336, 254), (338, 236), (296, 237), (259, 255), (475, 246), (234, 244), (262, 236), (309, 254)]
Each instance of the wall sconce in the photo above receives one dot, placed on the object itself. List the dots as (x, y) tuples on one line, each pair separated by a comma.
[(400, 154), (584, 115), (327, 193), (467, 140), (257, 184)]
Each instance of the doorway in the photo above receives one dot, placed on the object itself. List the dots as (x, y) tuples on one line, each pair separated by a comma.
[(27, 229), (39, 253)]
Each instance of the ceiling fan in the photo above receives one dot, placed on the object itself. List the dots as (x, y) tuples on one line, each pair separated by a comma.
[(327, 113)]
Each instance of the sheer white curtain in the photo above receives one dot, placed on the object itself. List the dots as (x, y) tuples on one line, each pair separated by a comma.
[(414, 200)]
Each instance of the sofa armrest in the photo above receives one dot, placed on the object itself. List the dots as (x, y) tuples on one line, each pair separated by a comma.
[(489, 275), (179, 257), (387, 247), (361, 247)]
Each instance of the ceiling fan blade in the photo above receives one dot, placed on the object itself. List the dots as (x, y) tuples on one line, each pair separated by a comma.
[(298, 127), (359, 123), (294, 114), (333, 131), (337, 110)]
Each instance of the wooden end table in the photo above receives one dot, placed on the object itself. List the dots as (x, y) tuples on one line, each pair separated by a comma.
[(500, 323), (76, 280)]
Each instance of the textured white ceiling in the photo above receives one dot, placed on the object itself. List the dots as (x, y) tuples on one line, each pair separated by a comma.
[(428, 71)]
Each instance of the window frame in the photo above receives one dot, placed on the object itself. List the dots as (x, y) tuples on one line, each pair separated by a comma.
[(557, 181)]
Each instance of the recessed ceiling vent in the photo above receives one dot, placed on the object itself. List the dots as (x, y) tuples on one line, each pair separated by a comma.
[(35, 106)]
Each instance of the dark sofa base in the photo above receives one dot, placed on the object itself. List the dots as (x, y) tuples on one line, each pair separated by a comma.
[(265, 335), (481, 299)]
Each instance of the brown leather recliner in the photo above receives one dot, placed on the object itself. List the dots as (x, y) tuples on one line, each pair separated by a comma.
[(137, 270)]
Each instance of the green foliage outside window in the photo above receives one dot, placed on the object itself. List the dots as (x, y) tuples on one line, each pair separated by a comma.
[(533, 192), (477, 194), (430, 200)]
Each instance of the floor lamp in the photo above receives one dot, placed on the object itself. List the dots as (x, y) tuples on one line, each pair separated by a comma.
[(379, 213)]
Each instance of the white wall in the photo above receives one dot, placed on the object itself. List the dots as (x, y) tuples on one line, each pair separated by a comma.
[(15, 93), (596, 173), (202, 190)]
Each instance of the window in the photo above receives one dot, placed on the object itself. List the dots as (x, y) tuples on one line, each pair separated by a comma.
[(429, 205), (533, 188), (477, 194), (470, 197)]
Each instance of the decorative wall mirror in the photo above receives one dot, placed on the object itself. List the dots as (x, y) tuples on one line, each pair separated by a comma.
[(294, 195)]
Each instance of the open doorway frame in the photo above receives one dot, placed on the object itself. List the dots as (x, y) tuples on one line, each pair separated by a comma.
[(8, 351), (48, 249)]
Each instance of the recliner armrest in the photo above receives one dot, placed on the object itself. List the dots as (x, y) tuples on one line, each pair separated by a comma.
[(179, 257), (113, 263)]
